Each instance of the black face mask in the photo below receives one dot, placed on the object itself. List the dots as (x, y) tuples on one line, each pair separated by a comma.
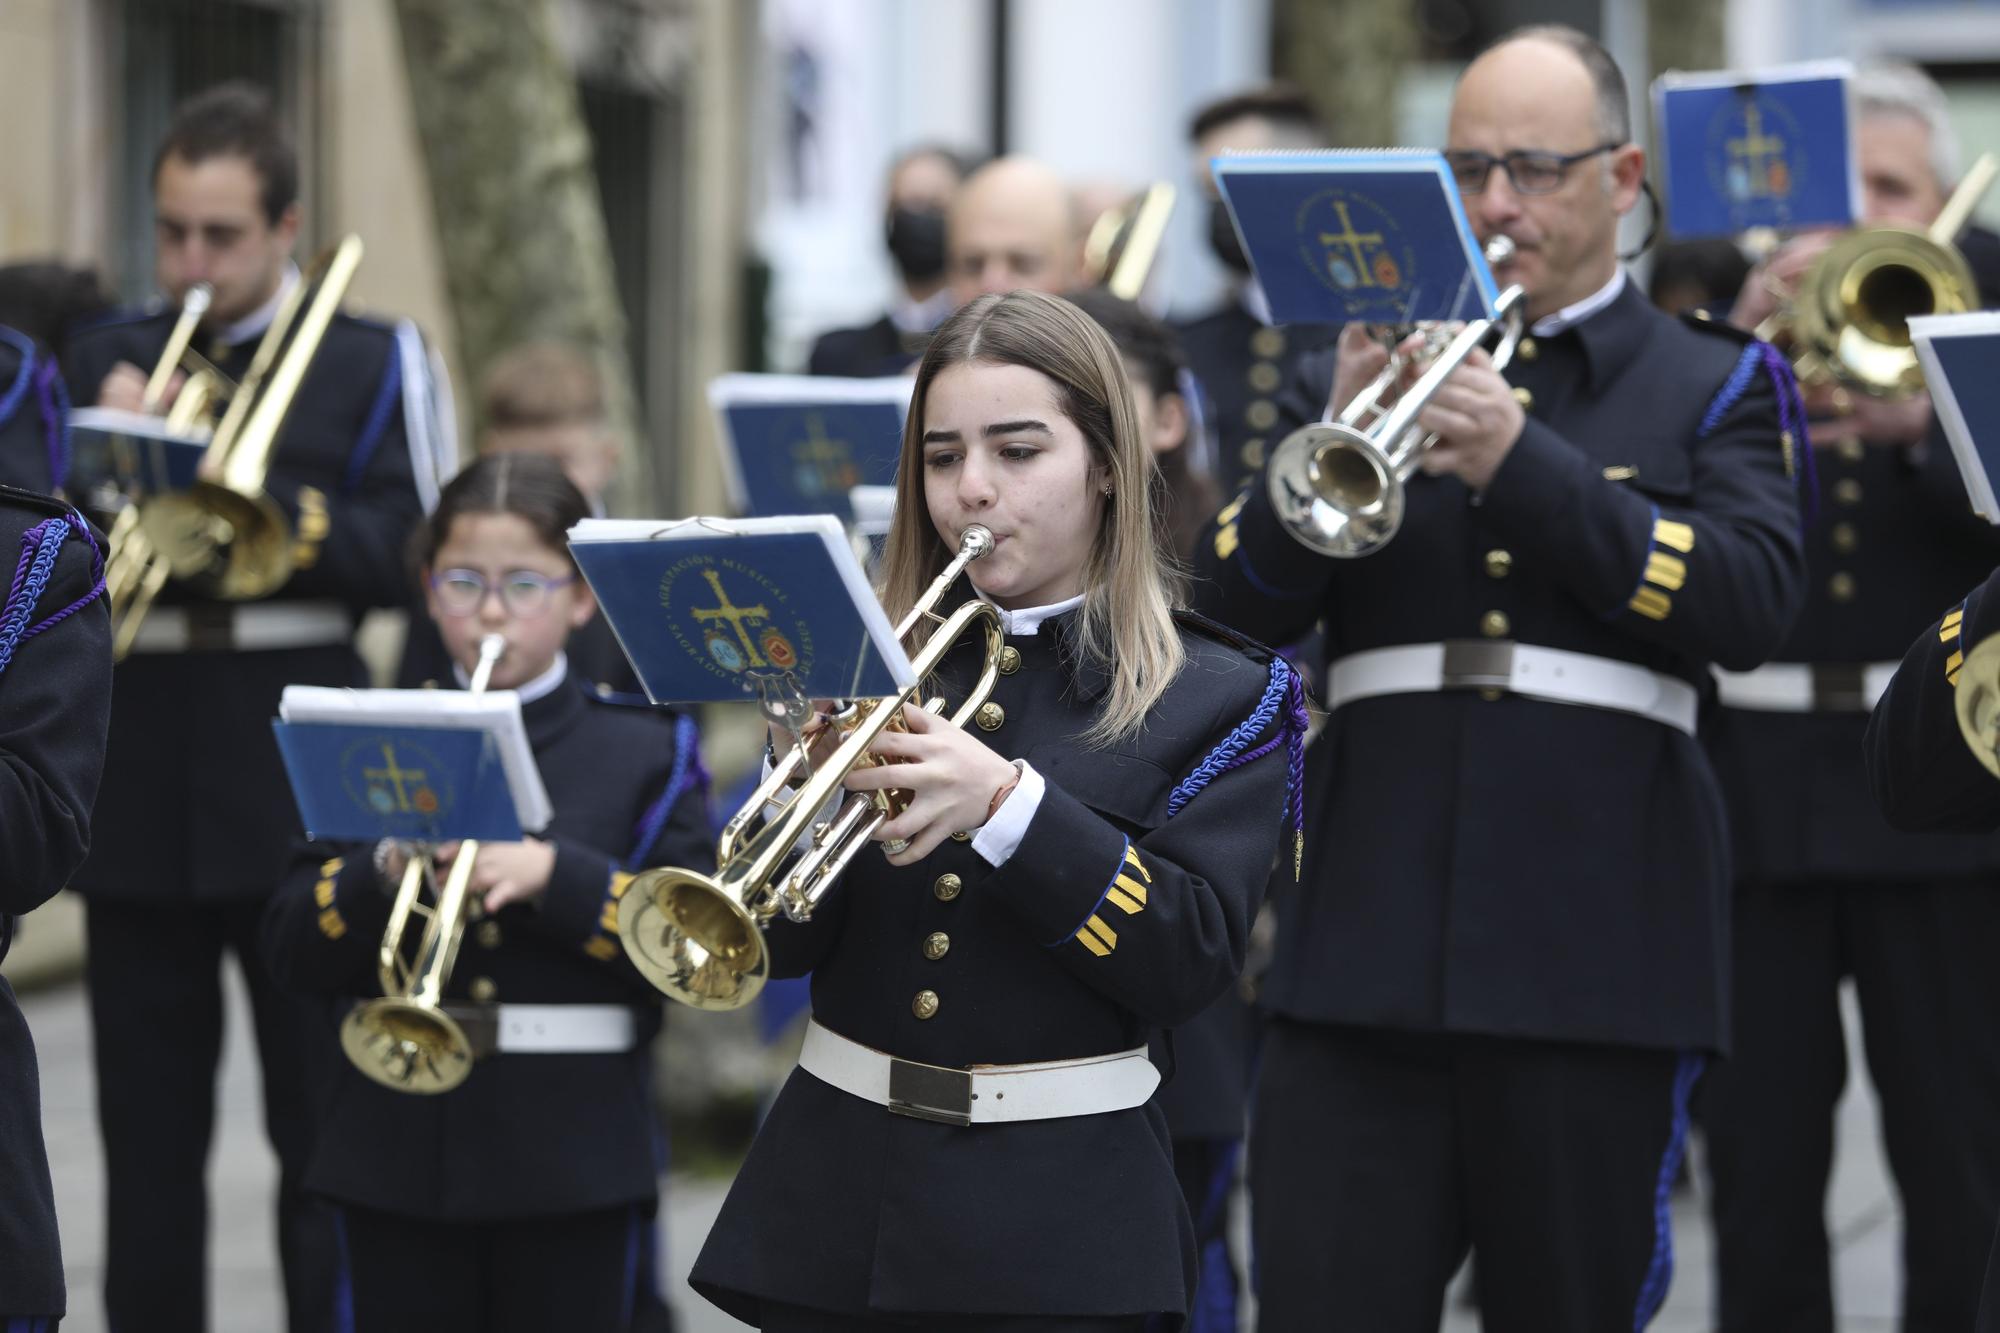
[(916, 242), (1223, 240)]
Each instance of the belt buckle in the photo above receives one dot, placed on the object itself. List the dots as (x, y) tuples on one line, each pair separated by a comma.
[(211, 628), (1839, 687), (481, 1025), (1478, 664), (930, 1092)]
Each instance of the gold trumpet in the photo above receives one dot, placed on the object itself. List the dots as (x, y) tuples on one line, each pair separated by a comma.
[(1125, 241), (699, 938), (405, 1040), (224, 535), (1338, 487), (1849, 320)]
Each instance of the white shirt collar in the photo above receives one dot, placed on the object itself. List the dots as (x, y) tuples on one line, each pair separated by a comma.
[(540, 687), (921, 316), (1548, 326), (253, 324), (1254, 300), (1027, 620)]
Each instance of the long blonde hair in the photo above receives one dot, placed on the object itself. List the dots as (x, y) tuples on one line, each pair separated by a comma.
[(1125, 626)]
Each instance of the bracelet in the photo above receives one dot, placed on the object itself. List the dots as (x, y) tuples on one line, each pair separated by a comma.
[(1005, 790)]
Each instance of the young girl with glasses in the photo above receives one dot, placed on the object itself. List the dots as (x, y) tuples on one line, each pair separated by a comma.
[(970, 1143), (522, 1198)]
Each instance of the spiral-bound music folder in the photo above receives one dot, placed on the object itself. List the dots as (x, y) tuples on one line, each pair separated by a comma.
[(716, 610), (1769, 147), (1376, 235), (134, 450), (1959, 353), (798, 444), (423, 765)]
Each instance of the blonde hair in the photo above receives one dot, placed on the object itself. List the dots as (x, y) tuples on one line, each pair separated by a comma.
[(1125, 626)]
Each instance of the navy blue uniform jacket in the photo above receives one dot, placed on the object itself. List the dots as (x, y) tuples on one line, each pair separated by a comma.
[(34, 438), (193, 783), (845, 1206), (1509, 866), (1922, 772), (55, 697), (528, 1134)]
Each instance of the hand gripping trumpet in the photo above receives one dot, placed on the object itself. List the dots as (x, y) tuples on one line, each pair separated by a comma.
[(699, 938), (1338, 488), (406, 1041)]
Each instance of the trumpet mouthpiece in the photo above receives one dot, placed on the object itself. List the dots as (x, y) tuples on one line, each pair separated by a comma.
[(975, 541), (1499, 250), (197, 299)]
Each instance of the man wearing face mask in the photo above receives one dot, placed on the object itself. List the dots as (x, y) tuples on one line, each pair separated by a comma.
[(921, 185), (1239, 356)]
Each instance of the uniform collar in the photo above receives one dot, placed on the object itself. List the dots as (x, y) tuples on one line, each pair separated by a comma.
[(1548, 326), (1027, 621), (1610, 334), (253, 324), (540, 687)]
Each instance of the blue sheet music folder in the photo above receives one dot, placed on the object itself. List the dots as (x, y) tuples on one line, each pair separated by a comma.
[(718, 610), (361, 782), (1378, 236), (797, 444), (1756, 148), (1959, 353)]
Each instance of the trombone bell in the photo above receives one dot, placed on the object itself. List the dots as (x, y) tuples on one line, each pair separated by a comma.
[(692, 940), (406, 1047)]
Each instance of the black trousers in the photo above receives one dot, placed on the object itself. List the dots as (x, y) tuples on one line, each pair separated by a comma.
[(800, 1319), (1377, 1159), (156, 1009), (576, 1272), (1921, 956), (1207, 1172)]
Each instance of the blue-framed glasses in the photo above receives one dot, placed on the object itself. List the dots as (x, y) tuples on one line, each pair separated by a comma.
[(524, 592), (1528, 171)]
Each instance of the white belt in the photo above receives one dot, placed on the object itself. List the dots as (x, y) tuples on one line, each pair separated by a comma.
[(1551, 674), (246, 628), (547, 1029), (983, 1094), (1806, 687)]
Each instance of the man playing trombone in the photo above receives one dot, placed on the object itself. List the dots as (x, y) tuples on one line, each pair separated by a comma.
[(1505, 965), (195, 817)]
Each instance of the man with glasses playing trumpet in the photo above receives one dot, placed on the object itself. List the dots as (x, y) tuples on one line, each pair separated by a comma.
[(1504, 967), (1825, 887), (195, 811)]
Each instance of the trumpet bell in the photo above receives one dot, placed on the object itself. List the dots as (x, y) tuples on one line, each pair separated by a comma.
[(1335, 491), (1978, 702), (235, 546), (406, 1047), (693, 940)]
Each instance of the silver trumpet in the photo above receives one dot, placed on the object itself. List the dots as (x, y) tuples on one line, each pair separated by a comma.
[(1338, 486)]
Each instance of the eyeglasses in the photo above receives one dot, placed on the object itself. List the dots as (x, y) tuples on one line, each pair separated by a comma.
[(1527, 171), (523, 592)]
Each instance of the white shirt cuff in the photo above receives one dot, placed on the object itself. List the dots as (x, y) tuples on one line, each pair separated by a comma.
[(1001, 835)]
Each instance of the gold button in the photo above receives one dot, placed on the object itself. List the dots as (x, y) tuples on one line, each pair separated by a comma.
[(936, 945), (1253, 454), (925, 1005), (1498, 563), (1703, 316), (482, 989), (1491, 694), (961, 836), (1524, 396), (1264, 377), (1847, 491), (1527, 350), (1843, 538), (1841, 587), (603, 691), (947, 887), (1268, 343), (1494, 624), (1851, 450), (990, 716), (1010, 660), (488, 934), (1262, 414)]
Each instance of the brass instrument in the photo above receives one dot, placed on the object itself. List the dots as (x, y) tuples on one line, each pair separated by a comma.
[(1338, 487), (1125, 241), (1848, 322), (699, 938), (406, 1041), (224, 534)]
